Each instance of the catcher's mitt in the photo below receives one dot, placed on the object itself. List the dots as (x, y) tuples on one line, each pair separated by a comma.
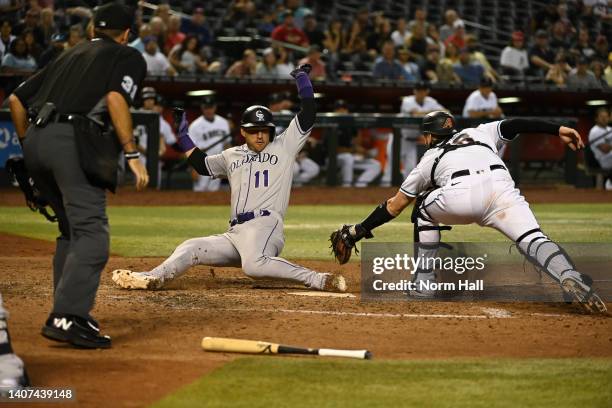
[(342, 242), (16, 169)]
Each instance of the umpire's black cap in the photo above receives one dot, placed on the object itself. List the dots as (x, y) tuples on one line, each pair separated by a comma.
[(113, 16), (439, 123)]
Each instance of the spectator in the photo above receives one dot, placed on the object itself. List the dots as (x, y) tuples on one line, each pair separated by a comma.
[(288, 32), (514, 60), (158, 30), (445, 70), (597, 67), (312, 31), (185, 57), (267, 67), (197, 26), (411, 70), (351, 155), (430, 68), (361, 57), (386, 66), (469, 72), (476, 55), (282, 63), (564, 20), (143, 32), (559, 40), (34, 49), (420, 19), (360, 27), (433, 38), (401, 34), (241, 14), (75, 36), (451, 55), (600, 142), (582, 46), (58, 43), (448, 29), (163, 12), (601, 49), (32, 21), (608, 71), (173, 35), (17, 60), (47, 24), (267, 23), (314, 59), (557, 74), (582, 77), (458, 36), (245, 67), (157, 63), (299, 12), (381, 34), (482, 103), (417, 43), (6, 37), (335, 37), (541, 56)]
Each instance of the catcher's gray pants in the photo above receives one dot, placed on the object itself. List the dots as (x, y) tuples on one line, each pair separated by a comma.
[(82, 248), (253, 245)]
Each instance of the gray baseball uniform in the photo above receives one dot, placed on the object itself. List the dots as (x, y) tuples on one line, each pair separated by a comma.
[(260, 187)]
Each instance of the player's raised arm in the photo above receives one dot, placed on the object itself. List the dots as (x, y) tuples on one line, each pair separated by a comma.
[(511, 128), (306, 116)]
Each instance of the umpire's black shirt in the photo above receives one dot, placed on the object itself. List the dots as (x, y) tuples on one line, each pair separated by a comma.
[(79, 79)]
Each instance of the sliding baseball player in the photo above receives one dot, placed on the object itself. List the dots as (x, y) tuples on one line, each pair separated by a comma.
[(260, 174), (462, 180)]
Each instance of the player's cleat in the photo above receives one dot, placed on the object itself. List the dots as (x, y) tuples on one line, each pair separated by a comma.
[(75, 330), (13, 375), (584, 294), (334, 283), (421, 286), (136, 280)]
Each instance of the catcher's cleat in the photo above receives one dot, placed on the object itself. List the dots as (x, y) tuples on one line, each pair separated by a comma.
[(136, 280), (75, 330), (421, 289), (334, 283), (584, 294), (13, 375)]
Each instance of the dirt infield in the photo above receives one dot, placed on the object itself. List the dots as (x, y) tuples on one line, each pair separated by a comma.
[(313, 195), (156, 335)]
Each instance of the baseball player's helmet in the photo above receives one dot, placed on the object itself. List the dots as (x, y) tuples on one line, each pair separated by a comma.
[(258, 116), (439, 123)]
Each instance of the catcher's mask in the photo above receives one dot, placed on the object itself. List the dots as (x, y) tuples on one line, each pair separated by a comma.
[(440, 124), (258, 116)]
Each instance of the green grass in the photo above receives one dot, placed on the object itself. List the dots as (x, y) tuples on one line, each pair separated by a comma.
[(156, 231), (283, 382)]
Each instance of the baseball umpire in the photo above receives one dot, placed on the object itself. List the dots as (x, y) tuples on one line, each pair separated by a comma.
[(62, 116), (462, 180)]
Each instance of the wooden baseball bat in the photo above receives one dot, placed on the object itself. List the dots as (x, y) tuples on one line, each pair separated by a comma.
[(262, 347)]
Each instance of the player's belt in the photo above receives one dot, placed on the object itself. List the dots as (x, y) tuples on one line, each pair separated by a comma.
[(466, 172), (248, 216)]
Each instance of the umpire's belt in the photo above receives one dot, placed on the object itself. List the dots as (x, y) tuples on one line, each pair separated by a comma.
[(466, 172), (248, 216)]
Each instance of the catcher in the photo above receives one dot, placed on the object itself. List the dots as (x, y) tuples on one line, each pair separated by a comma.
[(260, 174), (462, 180)]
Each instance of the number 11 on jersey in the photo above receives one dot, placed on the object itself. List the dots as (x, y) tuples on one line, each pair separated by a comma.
[(265, 178)]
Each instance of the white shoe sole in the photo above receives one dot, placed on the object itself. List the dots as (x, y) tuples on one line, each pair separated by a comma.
[(588, 299), (134, 280), (421, 295)]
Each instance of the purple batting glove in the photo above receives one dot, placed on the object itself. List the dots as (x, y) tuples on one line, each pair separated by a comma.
[(184, 141)]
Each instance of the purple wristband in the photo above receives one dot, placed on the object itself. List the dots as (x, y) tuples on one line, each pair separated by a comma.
[(304, 85), (184, 141)]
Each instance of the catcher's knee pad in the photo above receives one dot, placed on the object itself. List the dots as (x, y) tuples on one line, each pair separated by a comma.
[(545, 254)]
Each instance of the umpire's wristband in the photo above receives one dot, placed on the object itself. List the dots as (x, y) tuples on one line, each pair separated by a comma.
[(131, 155)]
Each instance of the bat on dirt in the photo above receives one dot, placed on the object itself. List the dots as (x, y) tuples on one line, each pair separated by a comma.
[(263, 347)]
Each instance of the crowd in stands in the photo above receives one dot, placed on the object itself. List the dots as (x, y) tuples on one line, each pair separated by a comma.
[(565, 44)]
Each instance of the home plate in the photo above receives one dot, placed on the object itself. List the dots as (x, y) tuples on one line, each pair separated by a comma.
[(316, 293)]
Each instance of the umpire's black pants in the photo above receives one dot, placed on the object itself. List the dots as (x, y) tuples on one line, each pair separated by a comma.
[(82, 248)]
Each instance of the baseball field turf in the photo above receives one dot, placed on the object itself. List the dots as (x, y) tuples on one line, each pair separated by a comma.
[(295, 382)]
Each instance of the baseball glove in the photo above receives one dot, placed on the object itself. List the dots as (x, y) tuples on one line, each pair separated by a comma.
[(17, 171), (342, 242)]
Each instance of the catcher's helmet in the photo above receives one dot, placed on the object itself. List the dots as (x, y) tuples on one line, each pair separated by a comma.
[(439, 123), (258, 116)]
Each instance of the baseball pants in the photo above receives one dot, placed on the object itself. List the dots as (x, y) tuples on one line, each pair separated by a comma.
[(254, 246), (304, 170), (349, 162), (82, 247)]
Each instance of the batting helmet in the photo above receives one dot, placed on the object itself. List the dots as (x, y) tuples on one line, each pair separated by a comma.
[(258, 116), (439, 123)]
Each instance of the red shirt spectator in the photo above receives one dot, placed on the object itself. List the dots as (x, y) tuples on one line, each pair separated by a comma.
[(289, 32), (173, 34), (458, 37)]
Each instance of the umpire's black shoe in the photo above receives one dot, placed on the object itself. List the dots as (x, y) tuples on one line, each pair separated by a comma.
[(77, 331)]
